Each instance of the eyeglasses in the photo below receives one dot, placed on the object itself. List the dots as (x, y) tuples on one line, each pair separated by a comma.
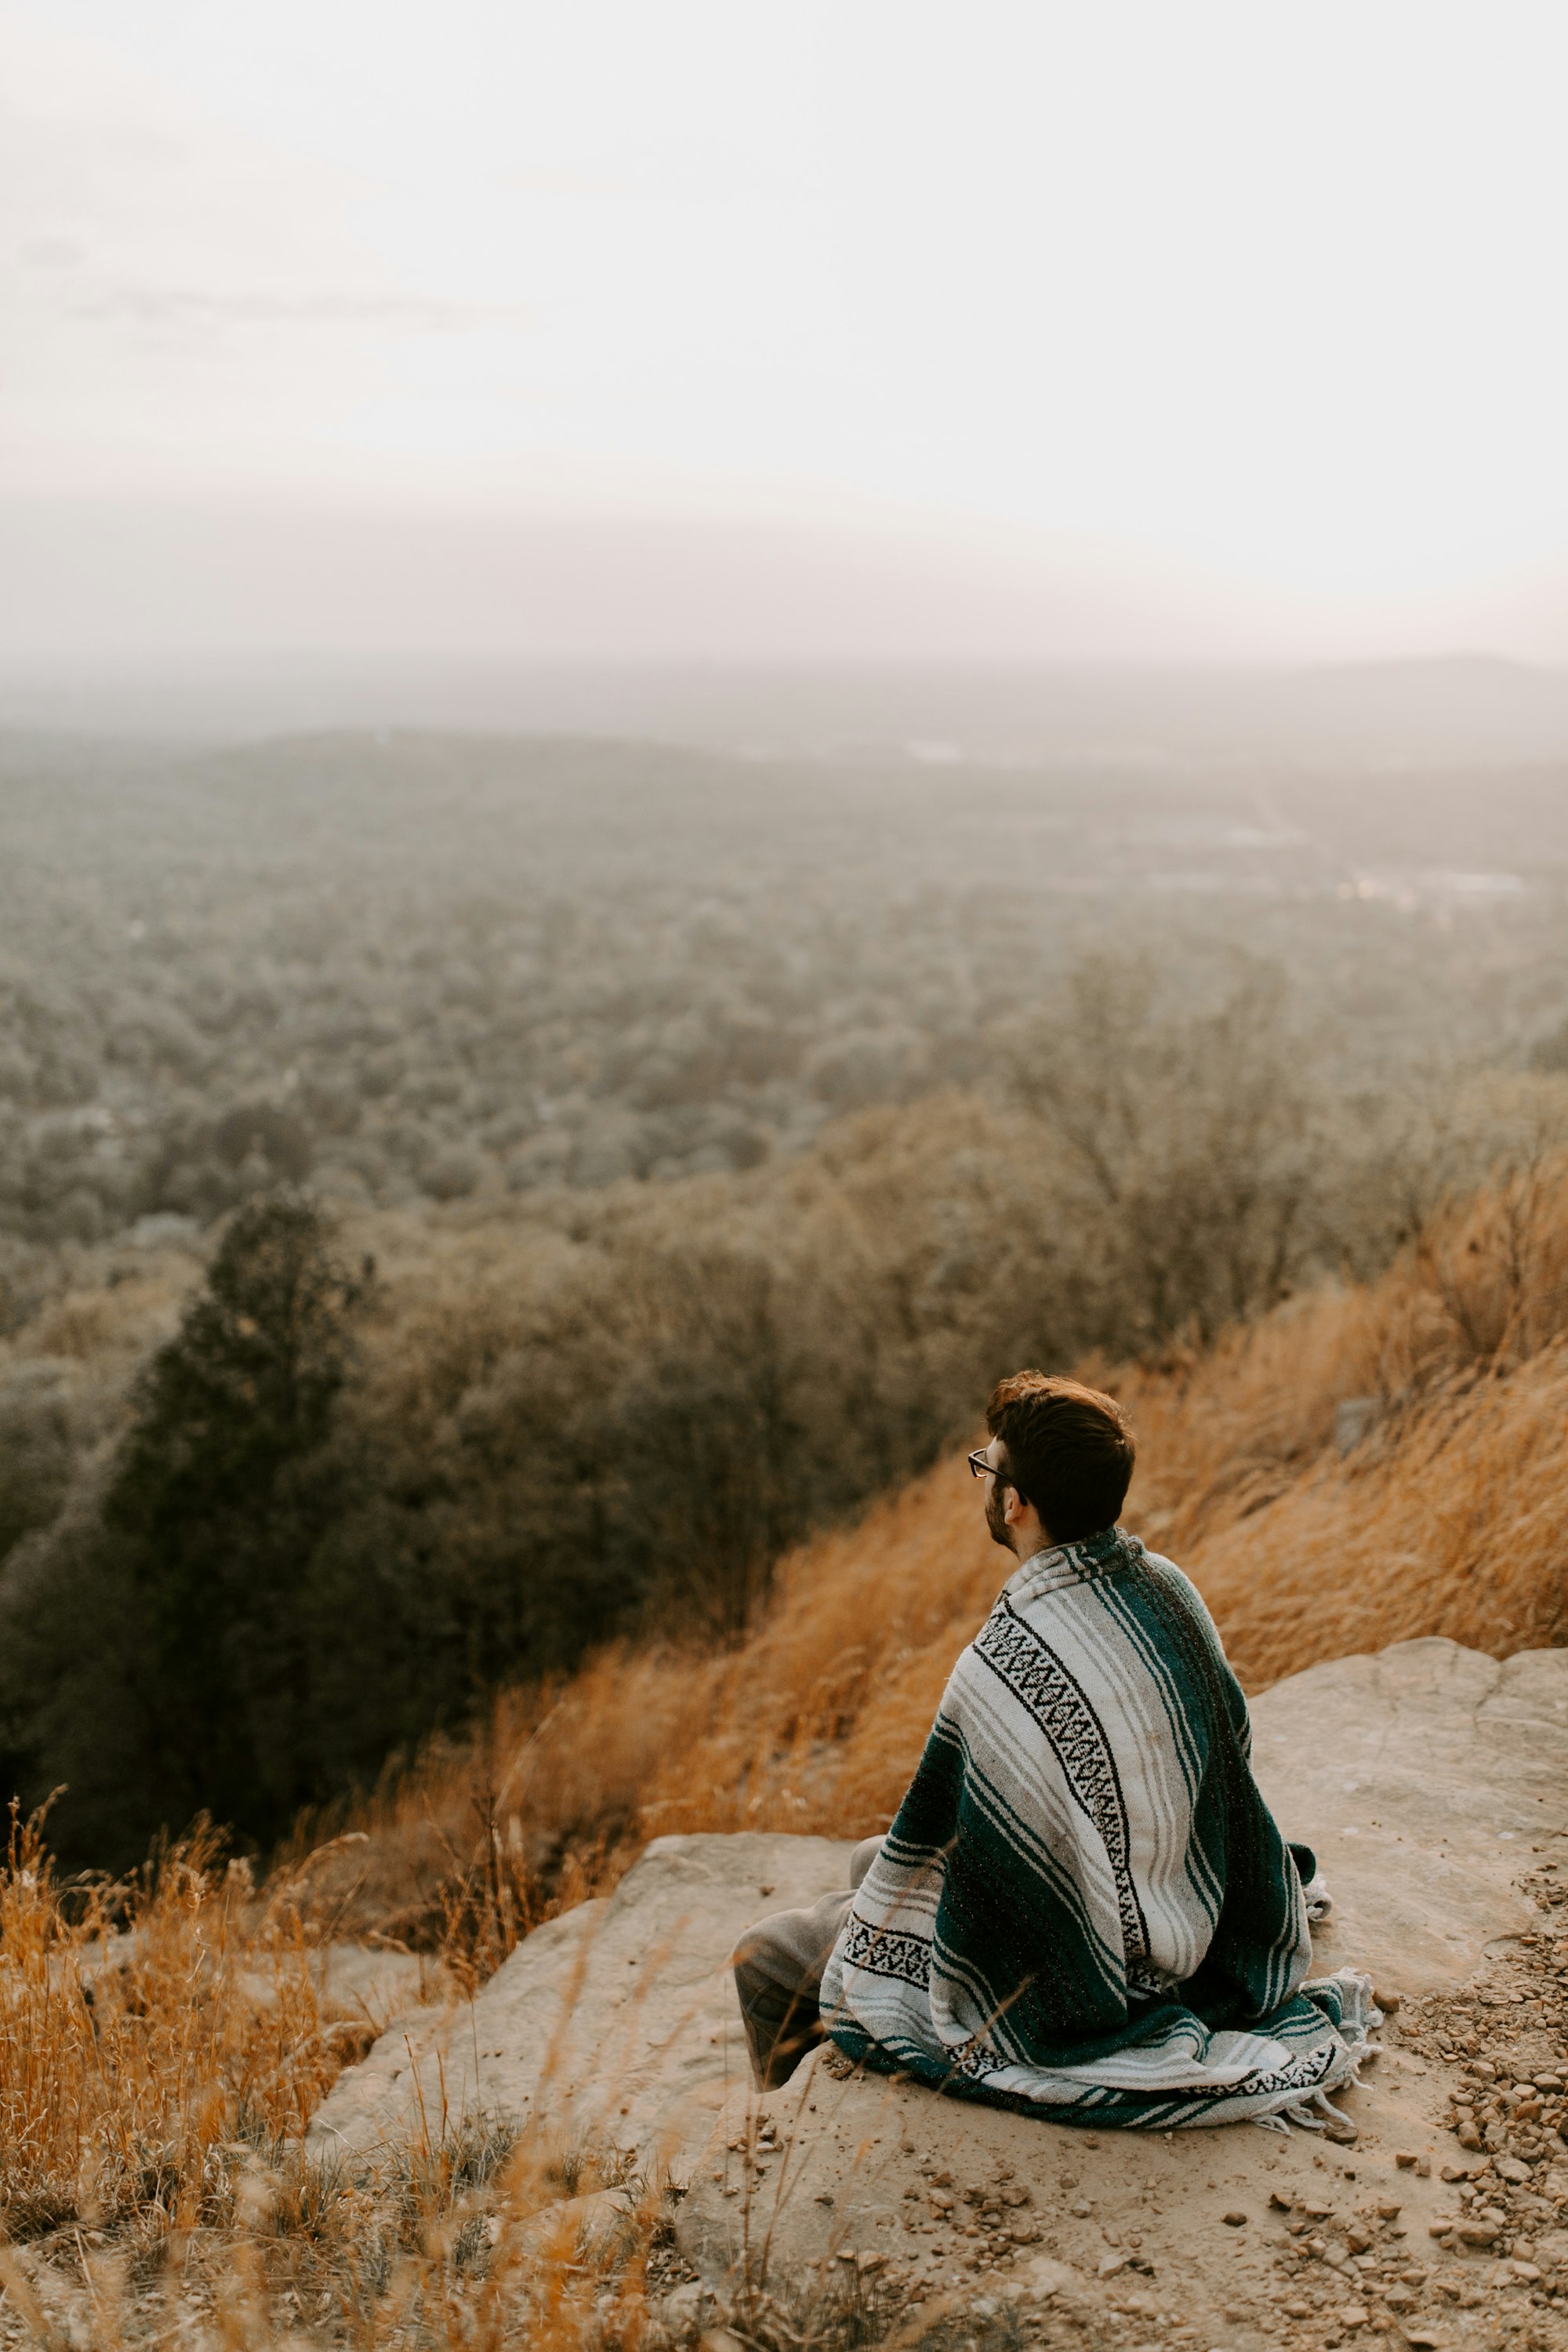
[(980, 1468)]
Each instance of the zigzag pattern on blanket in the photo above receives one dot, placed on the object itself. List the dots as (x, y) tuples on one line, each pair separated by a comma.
[(1040, 1682), (1084, 1905)]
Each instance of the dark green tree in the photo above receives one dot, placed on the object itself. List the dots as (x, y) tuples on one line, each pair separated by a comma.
[(221, 1496)]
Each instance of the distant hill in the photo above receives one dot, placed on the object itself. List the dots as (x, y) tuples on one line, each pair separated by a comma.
[(1455, 710)]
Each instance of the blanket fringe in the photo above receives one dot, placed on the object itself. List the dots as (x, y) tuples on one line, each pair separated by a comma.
[(1317, 2114)]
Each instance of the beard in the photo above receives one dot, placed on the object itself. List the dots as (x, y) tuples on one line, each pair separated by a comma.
[(995, 1511)]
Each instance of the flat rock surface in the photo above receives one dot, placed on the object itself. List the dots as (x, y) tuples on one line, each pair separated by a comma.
[(1430, 1780), (622, 2010), (365, 1982), (1418, 1775)]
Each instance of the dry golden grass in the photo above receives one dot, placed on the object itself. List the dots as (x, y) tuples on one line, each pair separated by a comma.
[(161, 2049), (142, 2027), (1445, 1519)]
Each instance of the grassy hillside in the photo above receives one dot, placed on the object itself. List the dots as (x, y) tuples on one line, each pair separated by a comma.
[(1364, 1466)]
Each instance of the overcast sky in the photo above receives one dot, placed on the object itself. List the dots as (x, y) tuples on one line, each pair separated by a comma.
[(673, 326)]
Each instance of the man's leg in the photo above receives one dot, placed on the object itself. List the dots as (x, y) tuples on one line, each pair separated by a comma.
[(783, 2020), (778, 1968)]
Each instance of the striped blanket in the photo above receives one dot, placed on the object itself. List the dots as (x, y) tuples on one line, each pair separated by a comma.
[(1084, 1905)]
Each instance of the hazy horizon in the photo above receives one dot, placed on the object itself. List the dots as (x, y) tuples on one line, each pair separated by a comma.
[(1032, 335), (1472, 712)]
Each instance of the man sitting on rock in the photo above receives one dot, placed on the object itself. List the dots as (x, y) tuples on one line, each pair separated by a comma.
[(1083, 1908)]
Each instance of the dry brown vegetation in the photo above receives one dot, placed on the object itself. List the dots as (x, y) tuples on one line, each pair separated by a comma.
[(162, 2045), (162, 2048), (1444, 1516)]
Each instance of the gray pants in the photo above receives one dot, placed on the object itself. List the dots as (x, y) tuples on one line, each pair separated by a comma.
[(778, 1968)]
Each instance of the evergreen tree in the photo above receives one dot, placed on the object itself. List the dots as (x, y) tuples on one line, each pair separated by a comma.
[(221, 1494)]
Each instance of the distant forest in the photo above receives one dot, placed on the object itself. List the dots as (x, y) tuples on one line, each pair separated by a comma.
[(442, 968), (460, 1201)]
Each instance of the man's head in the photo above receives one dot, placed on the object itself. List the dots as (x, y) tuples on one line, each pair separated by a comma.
[(1062, 1461)]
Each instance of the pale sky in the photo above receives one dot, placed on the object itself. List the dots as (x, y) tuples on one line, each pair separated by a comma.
[(1074, 328)]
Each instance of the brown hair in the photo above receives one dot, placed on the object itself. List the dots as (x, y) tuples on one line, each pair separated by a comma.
[(1070, 1450)]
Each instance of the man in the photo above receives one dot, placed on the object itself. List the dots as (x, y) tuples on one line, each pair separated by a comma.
[(1083, 1908)]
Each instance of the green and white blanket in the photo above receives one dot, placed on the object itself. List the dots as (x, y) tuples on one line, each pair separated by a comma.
[(1084, 1907)]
